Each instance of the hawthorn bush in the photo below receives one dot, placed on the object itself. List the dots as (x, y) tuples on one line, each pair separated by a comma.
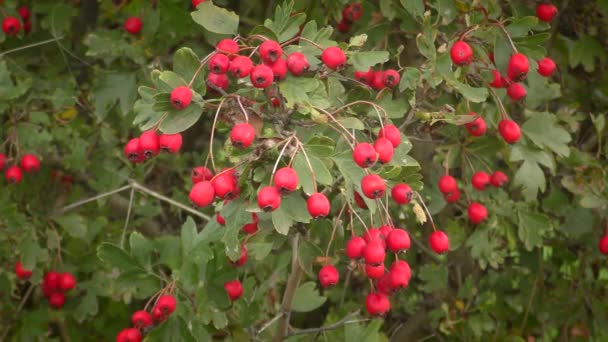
[(303, 170)]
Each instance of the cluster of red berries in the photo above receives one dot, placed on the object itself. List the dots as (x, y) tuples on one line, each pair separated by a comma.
[(12, 25), (150, 143), (350, 14), (379, 80), (55, 285), (143, 321), (21, 272), (14, 173)]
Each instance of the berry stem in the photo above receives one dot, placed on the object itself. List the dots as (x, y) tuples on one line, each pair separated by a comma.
[(350, 207), (126, 225), (312, 171), (238, 99), (426, 209), (504, 30), (298, 38), (276, 164), (376, 107), (200, 67), (210, 155), (501, 107), (333, 232), (337, 123)]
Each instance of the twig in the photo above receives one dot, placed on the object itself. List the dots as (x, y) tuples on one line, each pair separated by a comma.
[(124, 228), (94, 198), (344, 321), (290, 291), (31, 45), (153, 193), (269, 323)]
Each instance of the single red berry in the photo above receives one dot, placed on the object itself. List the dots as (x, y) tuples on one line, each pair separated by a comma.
[(377, 81), (133, 25), (373, 234), (66, 281), (279, 69), (509, 130), (200, 173), (374, 271), (220, 219), (129, 335), (269, 198), (603, 244), (384, 231), (21, 272), (385, 150), (27, 26), (365, 155), (241, 66), (546, 67), (51, 280), (2, 161), (373, 186), (516, 91), (497, 81), (447, 184), (242, 135), (344, 26), (157, 315), (390, 132), (13, 174), (30, 163), (219, 81), (477, 127), (297, 63), (219, 63), (400, 274), (402, 193), (359, 200), (170, 143), (270, 51), (355, 247), (398, 240), (242, 258), (149, 143), (391, 78), (364, 76), (498, 178), (374, 253), (133, 151), (328, 276), (518, 67), (181, 97), (477, 213), (377, 304), (334, 58), (141, 319), (261, 76), (56, 300), (318, 205), (546, 12), (11, 26), (251, 227), (452, 197), (202, 194), (383, 284), (24, 13), (286, 180), (352, 12), (439, 242), (480, 180), (225, 186), (234, 289), (166, 303), (228, 47), (461, 53)]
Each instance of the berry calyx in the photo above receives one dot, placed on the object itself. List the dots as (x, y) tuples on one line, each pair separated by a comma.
[(390, 132), (240, 66), (334, 58), (149, 144), (318, 205), (480, 180), (170, 143), (365, 155), (398, 240), (141, 319), (200, 173), (166, 304), (181, 97), (133, 25), (11, 26), (129, 335), (297, 63), (228, 47), (477, 213), (373, 186), (447, 184), (66, 281), (13, 174), (391, 78), (461, 53), (270, 51), (219, 63), (56, 300), (374, 271), (509, 130), (546, 12), (269, 199), (497, 81), (402, 193), (21, 272), (546, 67), (242, 135), (355, 247), (328, 276), (498, 179), (374, 253), (518, 67), (516, 91), (234, 289), (286, 180), (261, 76), (30, 163), (439, 242), (202, 194), (385, 150), (476, 127), (377, 304)]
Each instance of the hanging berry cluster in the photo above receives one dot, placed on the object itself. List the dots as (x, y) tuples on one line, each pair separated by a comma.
[(12, 25), (150, 143), (143, 321), (13, 173), (55, 285), (350, 14)]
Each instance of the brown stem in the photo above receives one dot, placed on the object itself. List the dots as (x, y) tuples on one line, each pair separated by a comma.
[(290, 291)]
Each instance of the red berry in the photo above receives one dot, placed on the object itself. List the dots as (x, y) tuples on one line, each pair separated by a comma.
[(397, 240), (318, 205), (51, 281), (373, 186), (2, 161), (328, 276), (509, 130), (11, 26), (286, 180), (452, 197), (56, 300), (66, 281), (480, 180), (141, 319), (385, 150), (384, 231), (447, 184), (241, 66), (200, 173), (374, 253), (261, 76), (270, 51), (220, 219), (476, 127), (334, 58), (13, 174), (24, 13), (269, 198), (400, 274), (518, 67), (219, 81), (516, 91), (355, 247), (252, 227), (359, 200), (225, 186), (170, 143), (344, 26), (27, 26), (377, 80), (195, 3), (390, 132), (129, 335), (158, 315), (352, 12), (391, 78), (364, 76), (297, 63), (243, 258), (219, 63), (402, 193), (166, 304), (21, 272), (365, 155), (377, 304), (374, 271), (30, 163), (279, 69), (461, 53), (603, 244), (546, 12), (546, 67), (133, 25), (181, 97), (439, 242), (149, 143), (242, 135), (228, 47), (373, 234), (133, 152), (498, 81), (202, 194), (234, 289), (477, 213), (383, 284), (498, 178)]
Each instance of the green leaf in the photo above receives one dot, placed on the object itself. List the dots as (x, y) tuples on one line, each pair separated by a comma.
[(351, 123), (114, 256), (579, 221), (519, 27), (321, 173), (472, 94), (259, 250), (395, 108), (10, 90), (434, 277), (87, 306), (307, 252), (284, 25), (296, 89), (111, 88), (584, 51), (531, 228), (307, 298), (529, 175), (140, 248), (363, 60), (410, 78), (216, 19), (425, 42), (146, 115), (237, 216), (292, 209), (180, 120), (357, 41), (185, 64), (172, 79), (543, 130), (30, 252), (320, 146), (175, 329), (414, 7), (189, 236), (73, 224)]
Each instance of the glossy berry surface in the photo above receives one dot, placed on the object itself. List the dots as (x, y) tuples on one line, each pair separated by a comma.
[(170, 143), (498, 179), (365, 155), (21, 272), (477, 213), (392, 133), (30, 163), (477, 127), (384, 149), (355, 247), (373, 186), (546, 67), (228, 47), (202, 194), (377, 304), (286, 180), (13, 174), (461, 53), (270, 51), (402, 193), (240, 66), (603, 244), (149, 143), (166, 304), (334, 58), (546, 12), (181, 97), (11, 26), (328, 276), (318, 205), (269, 199), (397, 240), (374, 253), (234, 289), (509, 130), (518, 67), (133, 25), (141, 319), (297, 63), (480, 180), (516, 91), (66, 281), (219, 63), (391, 78), (200, 173), (447, 184), (439, 242), (242, 135), (261, 76)]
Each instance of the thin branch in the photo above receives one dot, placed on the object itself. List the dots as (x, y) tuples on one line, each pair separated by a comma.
[(290, 291), (92, 199), (31, 45), (153, 193), (269, 323), (344, 321), (124, 228)]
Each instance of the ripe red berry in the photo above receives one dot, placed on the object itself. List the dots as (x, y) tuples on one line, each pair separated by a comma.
[(202, 194), (402, 193), (51, 281), (242, 258), (133, 25), (452, 197), (24, 13), (377, 304), (498, 178), (328, 276), (374, 253), (261, 76), (219, 81), (195, 3), (166, 304), (447, 184), (252, 227), (352, 12), (133, 151), (170, 143), (390, 132), (385, 150), (334, 58), (391, 78), (56, 300), (344, 26), (365, 155), (13, 174), (149, 143), (497, 81), (355, 247), (373, 186), (30, 163), (141, 319), (318, 205), (509, 130), (384, 231), (242, 135), (27, 26), (400, 274), (228, 47), (129, 335), (66, 281), (11, 26), (364, 76), (2, 161), (373, 234), (279, 69), (477, 213), (461, 53), (234, 289), (359, 200), (397, 240), (297, 63), (546, 12), (157, 315), (603, 244), (270, 51), (286, 180), (439, 242), (225, 186), (269, 198), (200, 173), (219, 63), (220, 219), (21, 272), (476, 127), (374, 271), (516, 91), (546, 67), (480, 180), (241, 66), (383, 284), (181, 97), (518, 67), (377, 81)]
